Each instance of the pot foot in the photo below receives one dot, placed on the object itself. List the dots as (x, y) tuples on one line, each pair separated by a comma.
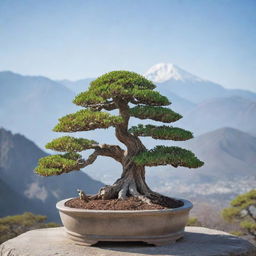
[(80, 239), (163, 242), (86, 242)]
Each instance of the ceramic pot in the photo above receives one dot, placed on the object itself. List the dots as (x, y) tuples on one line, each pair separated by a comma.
[(158, 227)]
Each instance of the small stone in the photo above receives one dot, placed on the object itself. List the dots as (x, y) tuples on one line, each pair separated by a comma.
[(197, 241)]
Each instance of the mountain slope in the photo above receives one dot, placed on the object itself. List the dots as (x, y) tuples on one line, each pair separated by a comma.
[(230, 164), (7, 199), (76, 86), (236, 112), (32, 105), (18, 158), (188, 86)]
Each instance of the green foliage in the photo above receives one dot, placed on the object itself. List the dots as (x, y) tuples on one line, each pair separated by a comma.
[(12, 226), (245, 200), (242, 210), (85, 120), (238, 204), (249, 225), (58, 164), (231, 212), (87, 98), (161, 132), (123, 85), (70, 144), (192, 221), (161, 114), (162, 155), (126, 79), (236, 233), (150, 97)]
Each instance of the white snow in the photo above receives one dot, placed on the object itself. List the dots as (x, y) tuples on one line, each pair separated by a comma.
[(163, 72)]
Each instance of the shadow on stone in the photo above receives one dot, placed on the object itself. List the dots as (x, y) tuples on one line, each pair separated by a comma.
[(193, 243)]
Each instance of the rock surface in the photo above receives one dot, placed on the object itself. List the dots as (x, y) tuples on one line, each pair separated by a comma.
[(198, 241)]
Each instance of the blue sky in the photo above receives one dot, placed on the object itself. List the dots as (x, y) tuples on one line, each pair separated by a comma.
[(215, 39)]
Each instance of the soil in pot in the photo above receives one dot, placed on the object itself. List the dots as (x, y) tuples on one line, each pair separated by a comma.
[(130, 203)]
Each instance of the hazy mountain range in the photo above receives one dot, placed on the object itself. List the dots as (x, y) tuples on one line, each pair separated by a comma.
[(32, 105), (229, 170), (171, 78), (223, 121), (22, 190)]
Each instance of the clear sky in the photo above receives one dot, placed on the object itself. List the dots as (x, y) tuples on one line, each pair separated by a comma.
[(73, 39)]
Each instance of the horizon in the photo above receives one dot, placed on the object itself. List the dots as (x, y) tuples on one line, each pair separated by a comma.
[(84, 78)]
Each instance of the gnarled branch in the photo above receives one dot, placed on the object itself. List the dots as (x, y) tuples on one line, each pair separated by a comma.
[(113, 151), (108, 105)]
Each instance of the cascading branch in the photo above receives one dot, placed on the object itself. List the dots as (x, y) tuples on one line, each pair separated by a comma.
[(131, 95)]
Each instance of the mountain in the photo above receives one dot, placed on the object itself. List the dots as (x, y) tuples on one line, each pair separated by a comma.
[(7, 198), (229, 169), (190, 87), (236, 112), (31, 105), (18, 158), (164, 72), (76, 86)]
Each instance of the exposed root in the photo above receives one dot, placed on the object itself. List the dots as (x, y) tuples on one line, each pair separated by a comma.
[(134, 192), (126, 187), (122, 194), (82, 195)]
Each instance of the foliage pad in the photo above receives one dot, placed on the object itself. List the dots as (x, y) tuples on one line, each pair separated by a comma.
[(58, 164), (161, 132), (161, 114), (86, 120), (70, 144), (162, 155)]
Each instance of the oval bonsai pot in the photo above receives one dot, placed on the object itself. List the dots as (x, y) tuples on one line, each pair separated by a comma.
[(158, 227)]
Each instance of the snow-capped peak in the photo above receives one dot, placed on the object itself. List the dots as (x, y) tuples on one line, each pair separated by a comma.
[(163, 72)]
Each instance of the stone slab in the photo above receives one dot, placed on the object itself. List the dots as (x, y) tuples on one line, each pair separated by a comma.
[(197, 241)]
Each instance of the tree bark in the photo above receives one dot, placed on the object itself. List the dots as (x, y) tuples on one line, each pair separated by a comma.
[(132, 181)]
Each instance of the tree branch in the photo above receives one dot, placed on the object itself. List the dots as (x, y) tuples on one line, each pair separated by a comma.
[(250, 213), (90, 160), (113, 151), (108, 105)]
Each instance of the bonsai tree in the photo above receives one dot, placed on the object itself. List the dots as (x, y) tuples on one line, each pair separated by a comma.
[(243, 211), (129, 95)]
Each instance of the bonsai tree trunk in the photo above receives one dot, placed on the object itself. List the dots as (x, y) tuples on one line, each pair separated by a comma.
[(132, 181)]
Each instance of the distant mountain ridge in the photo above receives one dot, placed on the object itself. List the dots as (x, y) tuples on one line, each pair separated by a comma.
[(18, 158), (236, 112), (229, 169), (32, 105), (189, 86), (163, 72)]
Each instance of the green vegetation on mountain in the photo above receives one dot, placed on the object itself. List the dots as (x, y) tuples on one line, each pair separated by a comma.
[(12, 226), (243, 211)]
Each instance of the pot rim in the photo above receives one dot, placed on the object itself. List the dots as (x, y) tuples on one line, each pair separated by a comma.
[(61, 207)]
